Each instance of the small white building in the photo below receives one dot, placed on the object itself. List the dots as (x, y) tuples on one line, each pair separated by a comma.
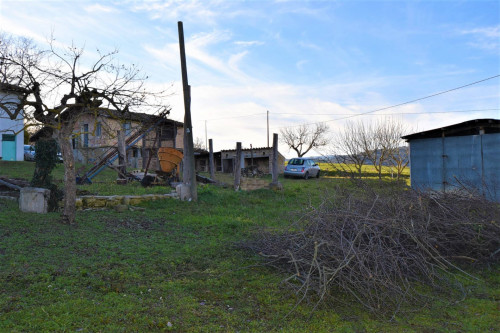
[(11, 130)]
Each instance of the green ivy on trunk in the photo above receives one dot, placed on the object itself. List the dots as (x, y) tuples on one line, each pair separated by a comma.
[(45, 161)]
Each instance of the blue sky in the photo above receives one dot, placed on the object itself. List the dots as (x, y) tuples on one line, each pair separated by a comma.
[(304, 61)]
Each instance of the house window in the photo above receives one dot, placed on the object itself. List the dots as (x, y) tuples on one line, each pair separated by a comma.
[(85, 131), (74, 141), (98, 129), (8, 137), (127, 128), (166, 133)]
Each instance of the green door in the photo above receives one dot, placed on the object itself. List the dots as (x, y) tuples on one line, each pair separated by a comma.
[(8, 147)]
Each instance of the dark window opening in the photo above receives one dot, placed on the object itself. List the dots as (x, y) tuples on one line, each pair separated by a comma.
[(98, 129), (85, 135), (166, 133), (8, 137)]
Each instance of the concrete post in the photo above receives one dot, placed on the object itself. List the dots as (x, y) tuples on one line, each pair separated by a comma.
[(275, 184), (211, 167), (275, 158), (237, 167)]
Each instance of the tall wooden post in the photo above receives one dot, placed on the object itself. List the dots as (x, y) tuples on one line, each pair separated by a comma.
[(237, 167), (122, 157), (211, 168), (189, 175), (275, 158)]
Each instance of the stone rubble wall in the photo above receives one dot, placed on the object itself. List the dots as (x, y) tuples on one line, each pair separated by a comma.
[(101, 201), (250, 184)]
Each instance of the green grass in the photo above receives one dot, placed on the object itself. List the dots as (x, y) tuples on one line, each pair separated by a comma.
[(176, 262)]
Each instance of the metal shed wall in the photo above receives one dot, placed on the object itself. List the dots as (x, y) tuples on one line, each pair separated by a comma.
[(448, 163)]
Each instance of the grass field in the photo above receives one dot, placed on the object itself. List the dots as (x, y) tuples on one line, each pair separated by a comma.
[(175, 267)]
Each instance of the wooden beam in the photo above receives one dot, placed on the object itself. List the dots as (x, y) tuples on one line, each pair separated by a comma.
[(189, 174)]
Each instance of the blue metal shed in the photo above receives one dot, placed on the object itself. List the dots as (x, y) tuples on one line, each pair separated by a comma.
[(457, 156)]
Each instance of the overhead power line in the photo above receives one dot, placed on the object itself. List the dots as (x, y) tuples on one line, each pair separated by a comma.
[(350, 115), (383, 114), (242, 116), (400, 104)]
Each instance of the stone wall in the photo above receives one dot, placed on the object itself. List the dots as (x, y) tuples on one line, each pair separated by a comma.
[(100, 201)]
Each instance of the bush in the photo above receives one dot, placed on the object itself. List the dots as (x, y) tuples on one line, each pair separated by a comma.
[(45, 161), (382, 249)]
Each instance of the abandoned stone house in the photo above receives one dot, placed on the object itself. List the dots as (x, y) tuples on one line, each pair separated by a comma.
[(259, 157), (95, 135)]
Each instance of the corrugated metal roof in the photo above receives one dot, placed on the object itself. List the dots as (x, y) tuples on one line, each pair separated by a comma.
[(470, 127), (247, 149)]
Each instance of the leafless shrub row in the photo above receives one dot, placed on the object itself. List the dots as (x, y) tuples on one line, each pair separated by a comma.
[(384, 250)]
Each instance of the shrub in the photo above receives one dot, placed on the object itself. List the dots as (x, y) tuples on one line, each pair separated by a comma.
[(45, 161)]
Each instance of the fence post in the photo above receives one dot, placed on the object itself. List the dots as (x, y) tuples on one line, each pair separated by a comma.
[(211, 159), (237, 167)]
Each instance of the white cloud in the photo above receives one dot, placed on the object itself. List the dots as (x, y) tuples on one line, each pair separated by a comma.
[(97, 8), (249, 43), (308, 45), (489, 32), (486, 38)]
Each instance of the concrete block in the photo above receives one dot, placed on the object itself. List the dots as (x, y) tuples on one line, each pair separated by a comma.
[(34, 200), (184, 192)]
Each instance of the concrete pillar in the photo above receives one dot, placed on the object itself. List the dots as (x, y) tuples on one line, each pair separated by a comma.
[(237, 167), (211, 167)]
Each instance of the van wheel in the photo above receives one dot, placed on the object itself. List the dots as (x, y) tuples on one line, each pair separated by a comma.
[(317, 175), (306, 176)]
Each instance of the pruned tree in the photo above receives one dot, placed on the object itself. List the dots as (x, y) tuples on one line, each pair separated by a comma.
[(305, 137), (56, 87), (396, 152), (199, 144), (347, 151), (378, 143), (385, 141)]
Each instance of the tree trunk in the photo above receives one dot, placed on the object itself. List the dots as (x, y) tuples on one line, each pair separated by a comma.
[(69, 211)]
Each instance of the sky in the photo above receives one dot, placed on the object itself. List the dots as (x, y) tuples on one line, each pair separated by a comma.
[(302, 61)]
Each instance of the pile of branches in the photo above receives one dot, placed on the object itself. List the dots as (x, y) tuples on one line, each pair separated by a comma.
[(384, 250)]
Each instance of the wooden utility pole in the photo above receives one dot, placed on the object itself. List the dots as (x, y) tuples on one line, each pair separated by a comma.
[(211, 168), (189, 175), (237, 167), (206, 136), (267, 128)]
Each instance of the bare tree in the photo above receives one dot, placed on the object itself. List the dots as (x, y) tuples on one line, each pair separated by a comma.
[(347, 152), (303, 138), (56, 89), (379, 143), (376, 145), (199, 144), (396, 152)]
